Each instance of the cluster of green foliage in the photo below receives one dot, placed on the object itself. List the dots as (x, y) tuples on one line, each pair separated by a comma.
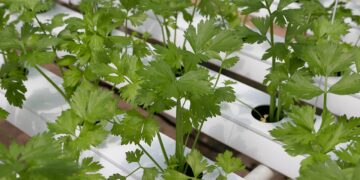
[(174, 79), (331, 146), (94, 54)]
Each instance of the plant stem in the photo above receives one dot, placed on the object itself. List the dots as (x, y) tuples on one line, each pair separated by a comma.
[(151, 158), (279, 109), (175, 33), (52, 83), (134, 171), (163, 148), (198, 130), (191, 21), (250, 107), (162, 29), (325, 94), (179, 149), (272, 94)]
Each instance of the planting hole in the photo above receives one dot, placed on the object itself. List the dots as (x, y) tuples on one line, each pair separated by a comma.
[(261, 113), (189, 172)]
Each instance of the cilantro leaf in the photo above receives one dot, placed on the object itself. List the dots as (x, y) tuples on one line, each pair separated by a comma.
[(41, 158), (302, 87), (66, 123), (3, 114), (170, 174), (324, 171), (135, 128), (229, 163), (13, 74), (134, 156), (93, 104), (150, 173), (196, 162), (250, 6), (348, 84), (39, 58)]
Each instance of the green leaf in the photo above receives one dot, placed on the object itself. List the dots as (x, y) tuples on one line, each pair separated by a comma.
[(229, 62), (325, 58), (323, 171), (297, 136), (334, 30), (72, 77), (134, 156), (135, 128), (137, 18), (229, 163), (198, 38), (93, 104), (41, 158), (194, 82), (170, 174), (196, 162), (117, 177), (262, 24), (66, 60), (226, 41), (278, 51), (9, 38), (3, 114), (302, 87), (150, 173), (159, 77), (283, 3), (39, 58), (250, 5), (66, 123), (348, 84), (13, 74), (89, 138)]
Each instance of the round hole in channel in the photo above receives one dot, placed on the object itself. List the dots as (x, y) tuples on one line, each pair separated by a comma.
[(261, 113)]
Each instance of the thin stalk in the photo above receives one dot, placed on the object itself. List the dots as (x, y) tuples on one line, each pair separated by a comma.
[(40, 24), (176, 22), (162, 29), (279, 109), (250, 107), (52, 83), (179, 149), (151, 158), (198, 130), (133, 171), (187, 138), (167, 33), (273, 94), (325, 95), (357, 41), (191, 21), (163, 148)]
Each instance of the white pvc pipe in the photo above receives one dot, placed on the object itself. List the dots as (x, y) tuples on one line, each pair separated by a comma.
[(261, 172)]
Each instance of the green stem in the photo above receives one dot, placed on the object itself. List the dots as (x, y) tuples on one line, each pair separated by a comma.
[(163, 148), (273, 94), (198, 130), (151, 158), (133, 171), (52, 83), (162, 29), (179, 149), (279, 109), (250, 107), (191, 21), (325, 95), (176, 21)]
